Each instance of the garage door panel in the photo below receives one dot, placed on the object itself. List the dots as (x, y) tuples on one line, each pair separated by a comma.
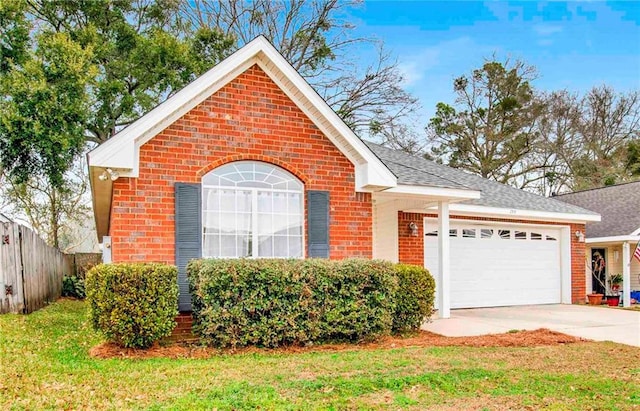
[(521, 267)]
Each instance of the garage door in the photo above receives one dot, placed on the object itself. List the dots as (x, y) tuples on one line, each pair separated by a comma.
[(498, 265)]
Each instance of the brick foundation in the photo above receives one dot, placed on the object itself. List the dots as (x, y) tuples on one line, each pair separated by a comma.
[(183, 331)]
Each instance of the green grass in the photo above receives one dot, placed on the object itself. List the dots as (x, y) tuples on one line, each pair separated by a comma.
[(44, 364)]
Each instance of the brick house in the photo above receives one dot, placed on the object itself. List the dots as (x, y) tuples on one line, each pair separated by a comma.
[(611, 243), (249, 161)]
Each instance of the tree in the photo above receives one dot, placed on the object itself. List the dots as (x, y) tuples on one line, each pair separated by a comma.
[(609, 129), (56, 212), (491, 128), (314, 36), (14, 36), (43, 107), (86, 70), (593, 139), (141, 58), (560, 140), (633, 158), (76, 72)]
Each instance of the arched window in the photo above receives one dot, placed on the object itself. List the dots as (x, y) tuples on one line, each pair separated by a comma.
[(252, 209)]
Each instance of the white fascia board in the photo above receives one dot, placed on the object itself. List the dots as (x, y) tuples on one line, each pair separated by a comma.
[(377, 173), (470, 209), (636, 233), (441, 192), (613, 239), (122, 151)]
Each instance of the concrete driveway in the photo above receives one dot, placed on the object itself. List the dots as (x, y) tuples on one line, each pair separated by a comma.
[(594, 323)]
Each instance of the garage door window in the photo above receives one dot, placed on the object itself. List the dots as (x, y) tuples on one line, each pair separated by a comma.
[(468, 233), (504, 234), (479, 232), (486, 233)]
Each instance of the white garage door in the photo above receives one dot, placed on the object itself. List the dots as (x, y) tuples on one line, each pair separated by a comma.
[(498, 265)]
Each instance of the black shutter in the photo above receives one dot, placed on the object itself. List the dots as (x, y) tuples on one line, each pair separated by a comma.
[(318, 223), (188, 220)]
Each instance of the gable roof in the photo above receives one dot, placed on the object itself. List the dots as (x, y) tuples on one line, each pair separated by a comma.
[(121, 152), (619, 206), (393, 172), (419, 171)]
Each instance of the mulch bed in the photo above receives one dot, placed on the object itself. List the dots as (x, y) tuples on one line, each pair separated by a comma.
[(536, 338)]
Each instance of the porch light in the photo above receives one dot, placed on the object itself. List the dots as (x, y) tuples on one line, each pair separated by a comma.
[(580, 236), (109, 174), (413, 229)]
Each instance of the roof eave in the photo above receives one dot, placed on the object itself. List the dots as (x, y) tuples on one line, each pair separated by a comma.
[(514, 213), (614, 239), (446, 193)]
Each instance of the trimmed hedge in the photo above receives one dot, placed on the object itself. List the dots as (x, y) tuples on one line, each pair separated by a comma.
[(415, 297), (133, 304), (274, 302)]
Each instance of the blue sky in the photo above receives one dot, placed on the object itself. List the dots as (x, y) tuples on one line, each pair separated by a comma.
[(574, 45)]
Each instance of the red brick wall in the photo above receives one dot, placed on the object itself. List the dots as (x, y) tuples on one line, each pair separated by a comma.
[(411, 248), (248, 119), (578, 269)]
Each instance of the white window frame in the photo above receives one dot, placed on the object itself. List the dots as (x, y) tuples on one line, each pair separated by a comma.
[(255, 234)]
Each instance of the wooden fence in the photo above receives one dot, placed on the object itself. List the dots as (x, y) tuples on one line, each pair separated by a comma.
[(30, 270), (82, 262)]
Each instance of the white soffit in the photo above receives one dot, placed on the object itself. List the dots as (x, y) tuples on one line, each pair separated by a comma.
[(122, 151), (615, 239), (436, 192), (473, 210)]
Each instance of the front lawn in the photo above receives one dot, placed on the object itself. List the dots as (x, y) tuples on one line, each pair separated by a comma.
[(44, 364)]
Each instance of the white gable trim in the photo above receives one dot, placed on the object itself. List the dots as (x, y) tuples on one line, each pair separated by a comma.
[(432, 192), (484, 211), (614, 239), (122, 151)]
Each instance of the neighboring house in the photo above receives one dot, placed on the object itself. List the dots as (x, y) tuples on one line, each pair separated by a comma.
[(611, 241), (5, 219), (249, 161)]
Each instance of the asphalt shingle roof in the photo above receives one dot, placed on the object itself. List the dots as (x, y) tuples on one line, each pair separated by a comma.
[(416, 170), (618, 205)]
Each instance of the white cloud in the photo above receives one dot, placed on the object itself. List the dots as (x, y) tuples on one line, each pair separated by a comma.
[(547, 29), (545, 42), (546, 33), (416, 66), (429, 71)]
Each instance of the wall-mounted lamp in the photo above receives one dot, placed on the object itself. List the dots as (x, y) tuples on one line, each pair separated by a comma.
[(413, 229), (109, 174), (580, 236)]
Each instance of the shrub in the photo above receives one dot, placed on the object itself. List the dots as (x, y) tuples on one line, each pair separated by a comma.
[(414, 299), (133, 304), (273, 302), (73, 286), (357, 300)]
